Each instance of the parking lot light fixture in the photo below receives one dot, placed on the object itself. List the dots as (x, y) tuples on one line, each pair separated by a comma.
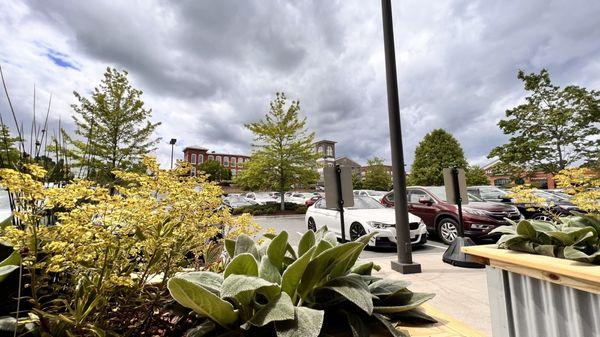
[(172, 142), (405, 264)]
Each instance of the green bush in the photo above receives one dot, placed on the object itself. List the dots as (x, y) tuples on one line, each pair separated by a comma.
[(574, 238), (270, 289), (269, 209)]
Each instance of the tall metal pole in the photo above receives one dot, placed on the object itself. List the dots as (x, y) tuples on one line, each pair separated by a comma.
[(405, 263), (172, 146), (338, 177)]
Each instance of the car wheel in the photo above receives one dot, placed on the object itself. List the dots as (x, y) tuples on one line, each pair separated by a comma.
[(356, 231), (542, 217), (448, 230), (312, 226)]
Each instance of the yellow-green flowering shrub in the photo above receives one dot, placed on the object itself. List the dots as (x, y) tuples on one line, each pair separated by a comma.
[(111, 244), (584, 185)]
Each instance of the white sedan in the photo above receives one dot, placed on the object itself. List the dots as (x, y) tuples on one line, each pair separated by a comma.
[(366, 216), (299, 198)]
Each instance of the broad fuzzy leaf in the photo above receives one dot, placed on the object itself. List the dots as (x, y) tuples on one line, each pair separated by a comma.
[(6, 270), (202, 301), (574, 254), (307, 323), (245, 244), (387, 287), (526, 229), (209, 280), (293, 273), (387, 325), (230, 247), (365, 268), (416, 300), (277, 249), (280, 309), (268, 271), (354, 289), (321, 267), (307, 241), (235, 285), (242, 264)]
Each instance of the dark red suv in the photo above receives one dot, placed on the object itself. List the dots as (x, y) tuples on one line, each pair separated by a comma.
[(441, 217)]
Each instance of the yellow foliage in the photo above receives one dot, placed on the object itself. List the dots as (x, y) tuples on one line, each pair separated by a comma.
[(146, 228), (584, 185)]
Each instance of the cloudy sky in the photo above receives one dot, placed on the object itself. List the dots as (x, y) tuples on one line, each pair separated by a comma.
[(208, 67)]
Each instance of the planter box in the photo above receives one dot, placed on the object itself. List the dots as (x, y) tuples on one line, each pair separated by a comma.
[(536, 295)]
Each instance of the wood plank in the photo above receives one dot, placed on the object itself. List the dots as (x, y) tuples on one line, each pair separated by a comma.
[(569, 273), (447, 326)]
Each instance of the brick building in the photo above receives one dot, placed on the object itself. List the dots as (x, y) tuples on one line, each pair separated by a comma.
[(326, 151), (196, 155), (537, 179)]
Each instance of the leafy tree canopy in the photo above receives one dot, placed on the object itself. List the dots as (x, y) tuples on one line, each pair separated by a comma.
[(283, 153), (555, 128), (113, 128), (377, 176), (215, 171), (438, 150), (476, 176)]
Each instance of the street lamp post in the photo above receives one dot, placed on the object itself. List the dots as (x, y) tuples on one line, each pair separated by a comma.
[(405, 263), (172, 142)]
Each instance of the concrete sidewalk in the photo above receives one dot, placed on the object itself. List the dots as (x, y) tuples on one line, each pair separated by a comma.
[(460, 292)]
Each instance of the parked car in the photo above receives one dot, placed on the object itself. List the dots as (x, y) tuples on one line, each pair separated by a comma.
[(236, 201), (312, 200), (441, 217), (366, 216), (376, 195), (556, 204), (299, 198), (263, 198)]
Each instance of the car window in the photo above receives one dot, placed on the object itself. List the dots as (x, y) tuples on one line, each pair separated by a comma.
[(365, 203), (491, 193), (320, 204), (355, 193), (390, 197), (440, 192), (415, 195)]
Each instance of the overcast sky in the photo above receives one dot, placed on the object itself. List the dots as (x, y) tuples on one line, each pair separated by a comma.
[(208, 67)]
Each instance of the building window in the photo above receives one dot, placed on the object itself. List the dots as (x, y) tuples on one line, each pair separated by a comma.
[(193, 171), (233, 160), (211, 157), (219, 159), (330, 151), (200, 158), (233, 172), (501, 182), (193, 159), (225, 161), (240, 162)]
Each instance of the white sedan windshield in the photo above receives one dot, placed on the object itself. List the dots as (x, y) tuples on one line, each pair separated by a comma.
[(365, 203)]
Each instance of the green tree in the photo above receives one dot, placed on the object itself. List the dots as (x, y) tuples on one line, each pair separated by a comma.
[(357, 181), (215, 171), (377, 176), (555, 128), (283, 153), (9, 155), (438, 150), (113, 127), (476, 176)]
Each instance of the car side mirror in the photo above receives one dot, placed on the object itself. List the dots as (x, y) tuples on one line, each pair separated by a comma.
[(425, 201)]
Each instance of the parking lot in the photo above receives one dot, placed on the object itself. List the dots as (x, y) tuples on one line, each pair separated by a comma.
[(295, 226)]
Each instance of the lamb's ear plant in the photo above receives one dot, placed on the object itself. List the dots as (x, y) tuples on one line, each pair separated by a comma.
[(270, 289), (574, 238)]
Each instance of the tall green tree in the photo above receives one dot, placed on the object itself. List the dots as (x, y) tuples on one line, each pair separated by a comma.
[(555, 128), (476, 176), (377, 176), (9, 154), (113, 128), (357, 181), (215, 171), (438, 150), (283, 153)]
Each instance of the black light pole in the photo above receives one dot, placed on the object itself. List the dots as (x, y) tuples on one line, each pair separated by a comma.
[(338, 177), (405, 263), (172, 142)]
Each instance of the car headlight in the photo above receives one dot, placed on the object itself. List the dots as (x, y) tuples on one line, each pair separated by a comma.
[(474, 211), (377, 224)]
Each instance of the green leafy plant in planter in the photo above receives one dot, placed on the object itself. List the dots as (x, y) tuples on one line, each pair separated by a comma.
[(269, 289), (574, 238)]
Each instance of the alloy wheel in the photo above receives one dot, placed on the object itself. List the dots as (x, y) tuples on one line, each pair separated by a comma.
[(312, 226), (356, 231), (448, 231)]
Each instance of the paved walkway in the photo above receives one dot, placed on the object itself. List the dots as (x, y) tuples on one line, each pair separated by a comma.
[(461, 293)]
